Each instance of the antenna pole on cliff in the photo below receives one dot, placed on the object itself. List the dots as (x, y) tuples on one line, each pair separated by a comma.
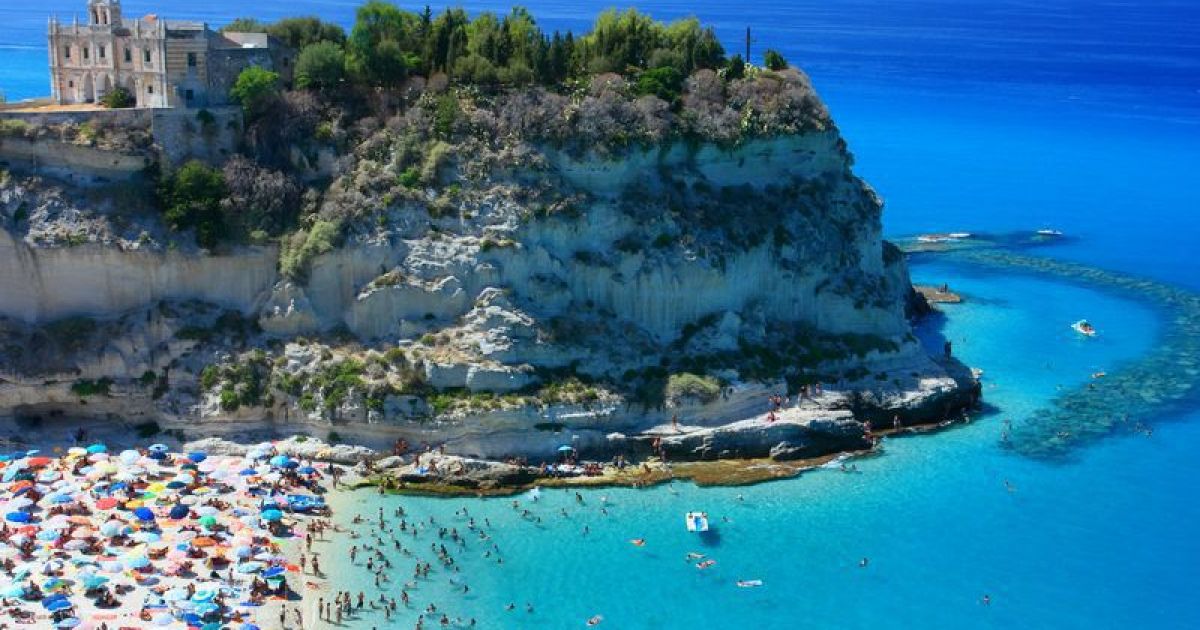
[(747, 44)]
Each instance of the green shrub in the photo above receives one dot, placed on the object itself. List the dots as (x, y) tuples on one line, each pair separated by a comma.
[(229, 399), (209, 377), (14, 128), (301, 247), (321, 66), (191, 198), (118, 98), (704, 388), (774, 61), (255, 90), (410, 177), (88, 387), (665, 83)]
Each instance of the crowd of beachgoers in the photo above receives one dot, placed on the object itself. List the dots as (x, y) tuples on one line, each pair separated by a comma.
[(148, 537)]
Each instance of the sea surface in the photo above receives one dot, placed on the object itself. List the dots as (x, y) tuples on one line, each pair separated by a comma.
[(965, 115)]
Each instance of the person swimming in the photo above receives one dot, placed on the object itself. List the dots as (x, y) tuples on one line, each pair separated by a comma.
[(638, 542)]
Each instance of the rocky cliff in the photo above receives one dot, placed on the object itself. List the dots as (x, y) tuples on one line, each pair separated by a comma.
[(489, 291)]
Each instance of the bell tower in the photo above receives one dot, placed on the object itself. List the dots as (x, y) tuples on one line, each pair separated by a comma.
[(104, 12)]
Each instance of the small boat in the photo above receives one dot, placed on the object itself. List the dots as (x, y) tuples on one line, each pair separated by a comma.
[(1084, 328), (1049, 232), (942, 238), (749, 583), (697, 521)]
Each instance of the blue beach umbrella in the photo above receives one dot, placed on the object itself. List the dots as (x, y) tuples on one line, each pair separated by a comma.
[(94, 581), (179, 511), (279, 460), (197, 456), (69, 622), (272, 515), (58, 605), (158, 455), (272, 572), (159, 448), (17, 517), (175, 595), (306, 470), (247, 472), (97, 448), (204, 595), (565, 449), (13, 590), (144, 514)]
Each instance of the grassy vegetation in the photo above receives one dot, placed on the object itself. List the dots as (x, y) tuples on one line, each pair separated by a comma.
[(300, 248), (241, 384), (687, 385), (88, 387)]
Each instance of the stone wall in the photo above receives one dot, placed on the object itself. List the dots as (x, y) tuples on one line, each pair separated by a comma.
[(184, 134), (133, 117), (78, 164)]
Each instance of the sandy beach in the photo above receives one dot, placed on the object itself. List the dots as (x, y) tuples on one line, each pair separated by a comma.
[(148, 537)]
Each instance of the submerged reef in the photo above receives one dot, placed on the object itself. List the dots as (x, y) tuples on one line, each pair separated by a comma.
[(1130, 398)]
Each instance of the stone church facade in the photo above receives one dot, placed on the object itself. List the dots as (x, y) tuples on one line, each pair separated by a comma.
[(161, 63)]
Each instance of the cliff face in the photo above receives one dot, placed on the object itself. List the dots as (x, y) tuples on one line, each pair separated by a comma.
[(822, 266), (42, 284), (497, 287)]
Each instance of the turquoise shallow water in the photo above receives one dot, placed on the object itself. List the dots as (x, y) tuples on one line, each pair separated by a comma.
[(964, 115), (932, 514)]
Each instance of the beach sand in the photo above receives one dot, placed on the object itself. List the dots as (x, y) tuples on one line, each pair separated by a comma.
[(177, 539)]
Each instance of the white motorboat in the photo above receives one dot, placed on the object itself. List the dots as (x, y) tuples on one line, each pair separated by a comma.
[(697, 521)]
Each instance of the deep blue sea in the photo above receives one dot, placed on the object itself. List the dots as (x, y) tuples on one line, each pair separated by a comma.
[(965, 115)]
